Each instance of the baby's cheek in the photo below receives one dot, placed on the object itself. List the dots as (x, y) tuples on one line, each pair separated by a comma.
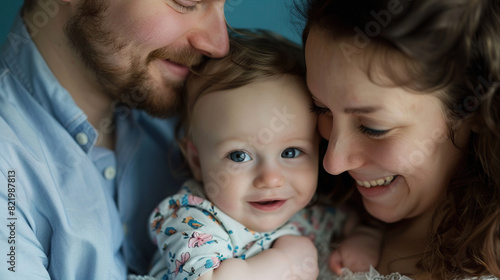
[(226, 203), (307, 182)]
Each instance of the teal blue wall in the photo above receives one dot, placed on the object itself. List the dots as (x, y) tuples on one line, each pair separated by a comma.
[(267, 14), (274, 15), (8, 9)]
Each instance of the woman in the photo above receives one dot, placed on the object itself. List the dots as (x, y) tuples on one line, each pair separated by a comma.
[(407, 95)]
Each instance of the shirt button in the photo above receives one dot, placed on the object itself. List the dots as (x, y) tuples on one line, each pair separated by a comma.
[(109, 173), (82, 138)]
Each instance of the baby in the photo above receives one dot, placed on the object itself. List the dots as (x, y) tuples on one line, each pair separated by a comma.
[(252, 146)]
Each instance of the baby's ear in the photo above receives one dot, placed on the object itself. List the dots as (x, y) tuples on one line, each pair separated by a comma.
[(192, 156)]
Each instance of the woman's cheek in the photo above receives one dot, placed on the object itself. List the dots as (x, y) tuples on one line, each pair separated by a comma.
[(325, 126)]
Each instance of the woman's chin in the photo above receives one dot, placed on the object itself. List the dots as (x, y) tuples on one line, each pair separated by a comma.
[(384, 214)]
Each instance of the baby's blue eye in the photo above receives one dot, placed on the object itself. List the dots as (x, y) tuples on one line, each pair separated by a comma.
[(239, 156), (291, 153)]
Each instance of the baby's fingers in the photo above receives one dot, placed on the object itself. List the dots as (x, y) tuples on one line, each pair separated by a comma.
[(335, 262)]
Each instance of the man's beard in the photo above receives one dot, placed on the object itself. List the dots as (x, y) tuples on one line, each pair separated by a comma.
[(129, 82)]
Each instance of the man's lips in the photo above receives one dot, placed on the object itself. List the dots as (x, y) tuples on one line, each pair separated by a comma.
[(179, 70), (268, 205)]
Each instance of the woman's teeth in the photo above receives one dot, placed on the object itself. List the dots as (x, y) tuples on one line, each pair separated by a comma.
[(380, 182)]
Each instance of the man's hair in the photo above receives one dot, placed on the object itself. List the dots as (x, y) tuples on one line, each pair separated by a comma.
[(29, 5)]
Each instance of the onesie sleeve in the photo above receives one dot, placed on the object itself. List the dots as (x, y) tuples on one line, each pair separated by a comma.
[(189, 236), (320, 223)]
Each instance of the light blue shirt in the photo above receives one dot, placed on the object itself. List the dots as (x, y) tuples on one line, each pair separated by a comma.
[(74, 210)]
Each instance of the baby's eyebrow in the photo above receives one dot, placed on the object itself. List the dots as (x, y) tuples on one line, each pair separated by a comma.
[(233, 141)]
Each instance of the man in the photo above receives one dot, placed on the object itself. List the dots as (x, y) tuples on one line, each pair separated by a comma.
[(81, 164)]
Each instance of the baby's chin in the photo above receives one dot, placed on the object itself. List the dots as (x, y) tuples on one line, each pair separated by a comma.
[(266, 226)]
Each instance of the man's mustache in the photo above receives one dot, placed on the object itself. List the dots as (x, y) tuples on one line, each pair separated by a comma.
[(186, 57)]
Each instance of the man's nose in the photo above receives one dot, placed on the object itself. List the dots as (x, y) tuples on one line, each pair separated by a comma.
[(211, 38)]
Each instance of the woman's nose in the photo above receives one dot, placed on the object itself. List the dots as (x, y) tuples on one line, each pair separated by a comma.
[(343, 152)]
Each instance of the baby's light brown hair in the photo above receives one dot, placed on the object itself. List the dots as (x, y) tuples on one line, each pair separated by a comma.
[(254, 56)]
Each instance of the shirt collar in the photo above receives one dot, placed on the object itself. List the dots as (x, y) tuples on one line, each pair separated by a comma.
[(27, 65)]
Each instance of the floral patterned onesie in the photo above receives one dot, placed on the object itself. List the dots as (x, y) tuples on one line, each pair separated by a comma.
[(194, 236)]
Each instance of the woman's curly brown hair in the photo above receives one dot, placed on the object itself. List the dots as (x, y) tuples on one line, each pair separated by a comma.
[(451, 47)]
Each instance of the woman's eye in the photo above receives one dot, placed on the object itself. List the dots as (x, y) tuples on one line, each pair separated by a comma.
[(239, 156), (374, 133), (319, 110), (291, 153)]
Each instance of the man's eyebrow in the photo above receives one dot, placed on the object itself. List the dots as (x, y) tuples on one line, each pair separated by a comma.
[(361, 110)]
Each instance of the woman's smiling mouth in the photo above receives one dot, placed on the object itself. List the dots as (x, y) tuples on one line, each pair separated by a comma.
[(378, 182)]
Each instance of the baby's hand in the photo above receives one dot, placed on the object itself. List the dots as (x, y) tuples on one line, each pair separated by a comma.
[(301, 255), (356, 253)]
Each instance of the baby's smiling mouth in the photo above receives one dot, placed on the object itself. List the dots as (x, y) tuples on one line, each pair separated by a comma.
[(267, 205)]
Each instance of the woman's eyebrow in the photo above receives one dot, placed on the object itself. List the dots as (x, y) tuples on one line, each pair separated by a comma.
[(361, 110)]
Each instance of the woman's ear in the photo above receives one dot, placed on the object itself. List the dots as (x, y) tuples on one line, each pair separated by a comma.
[(476, 123), (192, 156), (475, 128)]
